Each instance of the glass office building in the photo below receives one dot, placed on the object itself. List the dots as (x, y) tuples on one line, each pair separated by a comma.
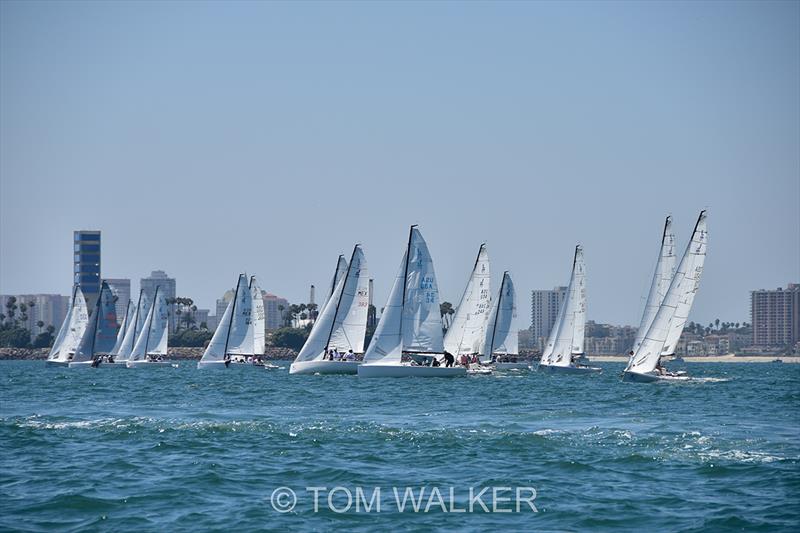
[(86, 264)]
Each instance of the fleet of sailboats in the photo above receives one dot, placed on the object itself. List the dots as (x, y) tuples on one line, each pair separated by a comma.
[(409, 339)]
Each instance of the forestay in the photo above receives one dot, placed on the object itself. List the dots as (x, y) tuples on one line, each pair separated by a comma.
[(677, 302), (467, 332)]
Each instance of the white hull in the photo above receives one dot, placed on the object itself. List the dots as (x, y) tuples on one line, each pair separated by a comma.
[(80, 364), (116, 364), (148, 364), (324, 367), (221, 365), (403, 371), (57, 363), (636, 377), (511, 366), (569, 369)]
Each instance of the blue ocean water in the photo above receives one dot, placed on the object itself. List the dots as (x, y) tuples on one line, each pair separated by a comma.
[(181, 449)]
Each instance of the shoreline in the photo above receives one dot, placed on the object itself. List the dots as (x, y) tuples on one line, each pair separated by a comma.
[(178, 353), (707, 358)]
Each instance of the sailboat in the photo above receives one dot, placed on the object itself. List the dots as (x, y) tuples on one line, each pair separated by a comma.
[(566, 342), (151, 344), (234, 335), (341, 325), (126, 321), (502, 340), (411, 323), (466, 334), (100, 334), (71, 331), (667, 325), (135, 322)]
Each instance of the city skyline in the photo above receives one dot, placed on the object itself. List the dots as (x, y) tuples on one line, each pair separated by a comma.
[(334, 126)]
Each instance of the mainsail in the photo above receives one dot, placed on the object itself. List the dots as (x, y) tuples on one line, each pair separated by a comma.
[(467, 332), (674, 310), (410, 321), (343, 321), (566, 338), (242, 332), (258, 317), (101, 333), (123, 328), (71, 331), (501, 337), (152, 339), (662, 277), (135, 327)]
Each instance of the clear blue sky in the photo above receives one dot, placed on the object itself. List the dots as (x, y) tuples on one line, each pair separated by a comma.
[(206, 139)]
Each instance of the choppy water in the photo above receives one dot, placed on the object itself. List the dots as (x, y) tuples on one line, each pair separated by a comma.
[(180, 449)]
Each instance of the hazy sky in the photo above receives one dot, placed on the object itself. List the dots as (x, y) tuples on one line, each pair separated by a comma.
[(206, 139)]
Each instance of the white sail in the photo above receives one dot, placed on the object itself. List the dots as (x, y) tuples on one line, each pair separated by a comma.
[(152, 340), (101, 333), (71, 331), (343, 321), (411, 321), (501, 336), (123, 328), (467, 332), (571, 314), (215, 351), (136, 326), (341, 268), (547, 353), (662, 277), (259, 317), (241, 337), (679, 298)]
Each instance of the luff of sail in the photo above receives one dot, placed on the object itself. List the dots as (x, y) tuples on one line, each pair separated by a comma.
[(681, 292), (467, 331), (662, 277), (501, 337), (411, 321)]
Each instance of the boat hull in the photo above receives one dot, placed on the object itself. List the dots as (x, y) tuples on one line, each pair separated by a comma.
[(569, 369), (324, 367), (511, 366), (116, 364), (407, 371), (57, 363), (80, 364), (148, 364), (221, 365), (635, 377)]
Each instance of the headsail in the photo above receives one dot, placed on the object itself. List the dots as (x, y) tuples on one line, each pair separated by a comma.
[(123, 328), (258, 317), (674, 310), (343, 321), (101, 333), (467, 332), (152, 339), (411, 321), (215, 351), (567, 335), (662, 277), (501, 336), (242, 336), (71, 331), (135, 327), (341, 268)]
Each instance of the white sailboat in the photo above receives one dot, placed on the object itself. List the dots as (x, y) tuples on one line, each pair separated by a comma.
[(71, 331), (566, 342), (151, 344), (467, 332), (126, 320), (667, 324), (234, 335), (258, 317), (341, 325), (501, 343), (136, 325), (100, 335), (410, 323)]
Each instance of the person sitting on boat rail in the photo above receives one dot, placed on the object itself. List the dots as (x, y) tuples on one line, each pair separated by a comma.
[(475, 359), (449, 359), (350, 356), (336, 355), (435, 362)]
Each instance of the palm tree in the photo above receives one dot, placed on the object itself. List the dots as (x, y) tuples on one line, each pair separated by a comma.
[(716, 322), (446, 311)]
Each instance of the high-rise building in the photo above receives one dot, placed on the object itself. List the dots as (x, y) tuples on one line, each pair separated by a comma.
[(775, 316), (86, 264), (272, 311), (47, 308), (544, 311), (159, 278), (121, 288)]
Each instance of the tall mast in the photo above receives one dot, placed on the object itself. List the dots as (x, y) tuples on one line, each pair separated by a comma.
[(339, 302), (233, 311), (138, 310), (497, 314), (150, 324), (405, 282)]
